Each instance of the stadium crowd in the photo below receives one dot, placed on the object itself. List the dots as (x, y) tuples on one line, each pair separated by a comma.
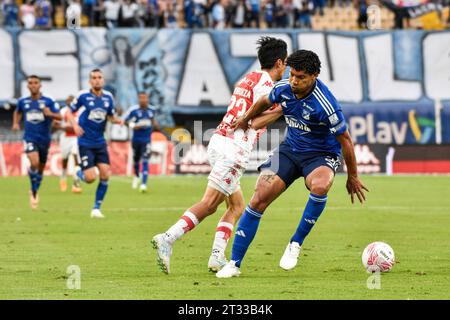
[(218, 14)]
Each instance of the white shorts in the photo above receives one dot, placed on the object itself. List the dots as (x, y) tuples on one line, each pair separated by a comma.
[(228, 162), (68, 146)]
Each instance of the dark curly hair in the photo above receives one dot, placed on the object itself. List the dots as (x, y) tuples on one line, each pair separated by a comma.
[(304, 60), (270, 50)]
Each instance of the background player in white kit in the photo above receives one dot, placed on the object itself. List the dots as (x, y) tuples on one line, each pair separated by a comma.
[(229, 153), (69, 148)]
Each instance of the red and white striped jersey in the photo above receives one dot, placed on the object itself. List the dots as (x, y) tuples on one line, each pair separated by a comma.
[(246, 92), (68, 129)]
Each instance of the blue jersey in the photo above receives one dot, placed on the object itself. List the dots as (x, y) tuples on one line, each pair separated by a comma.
[(37, 125), (92, 117), (141, 117), (314, 121)]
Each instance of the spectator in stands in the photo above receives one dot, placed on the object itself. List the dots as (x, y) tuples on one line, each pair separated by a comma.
[(304, 14), (238, 14), (112, 8), (43, 14), (88, 10), (128, 13), (269, 8), (361, 6), (252, 13), (218, 15), (73, 13), (319, 4), (10, 12), (171, 17), (27, 14), (281, 14)]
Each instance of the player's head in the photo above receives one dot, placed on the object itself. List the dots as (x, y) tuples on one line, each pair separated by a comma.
[(272, 54), (143, 99), (96, 79), (34, 84), (305, 68)]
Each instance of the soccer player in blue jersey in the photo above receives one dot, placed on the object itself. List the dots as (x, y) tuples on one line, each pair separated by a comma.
[(95, 107), (38, 112), (141, 119), (317, 132)]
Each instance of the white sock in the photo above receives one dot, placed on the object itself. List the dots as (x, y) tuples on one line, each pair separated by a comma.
[(187, 222), (223, 234)]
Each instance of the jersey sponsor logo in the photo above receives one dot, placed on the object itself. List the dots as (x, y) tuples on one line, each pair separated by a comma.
[(333, 119), (268, 84), (307, 107), (35, 116), (97, 115), (306, 115), (294, 123)]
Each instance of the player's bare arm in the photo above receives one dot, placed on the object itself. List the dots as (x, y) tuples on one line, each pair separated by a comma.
[(71, 119), (354, 185), (155, 125), (17, 116), (266, 118), (54, 115), (255, 110), (116, 120)]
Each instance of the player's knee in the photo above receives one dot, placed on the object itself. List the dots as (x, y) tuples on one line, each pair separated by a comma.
[(259, 202), (319, 188)]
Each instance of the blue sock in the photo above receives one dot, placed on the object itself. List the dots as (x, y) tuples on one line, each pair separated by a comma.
[(245, 232), (136, 168), (39, 177), (33, 177), (100, 193), (80, 175), (312, 212), (144, 171)]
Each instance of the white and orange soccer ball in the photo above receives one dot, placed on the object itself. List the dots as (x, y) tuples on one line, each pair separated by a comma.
[(378, 257)]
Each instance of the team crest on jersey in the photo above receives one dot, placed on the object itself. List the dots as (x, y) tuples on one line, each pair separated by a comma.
[(106, 104), (306, 115), (307, 107), (91, 104), (41, 105), (97, 115), (27, 105)]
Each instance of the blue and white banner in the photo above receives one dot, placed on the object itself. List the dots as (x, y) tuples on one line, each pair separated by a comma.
[(194, 71)]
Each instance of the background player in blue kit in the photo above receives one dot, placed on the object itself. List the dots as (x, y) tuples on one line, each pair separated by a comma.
[(94, 107), (141, 119), (316, 133), (38, 112)]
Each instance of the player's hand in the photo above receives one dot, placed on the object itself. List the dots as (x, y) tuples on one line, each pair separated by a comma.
[(78, 130), (355, 186), (15, 127), (47, 112), (240, 123)]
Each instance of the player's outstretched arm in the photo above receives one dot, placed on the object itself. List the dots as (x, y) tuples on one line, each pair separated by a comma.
[(266, 118), (354, 185), (17, 116), (255, 110)]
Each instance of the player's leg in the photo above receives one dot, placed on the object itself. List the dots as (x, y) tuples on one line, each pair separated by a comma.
[(319, 179), (235, 207), (32, 152), (277, 174), (163, 242), (137, 154), (145, 161), (65, 152), (102, 162), (76, 183), (87, 171)]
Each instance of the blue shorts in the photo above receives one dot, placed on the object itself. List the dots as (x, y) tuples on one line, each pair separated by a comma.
[(41, 148), (141, 150), (90, 157), (290, 165)]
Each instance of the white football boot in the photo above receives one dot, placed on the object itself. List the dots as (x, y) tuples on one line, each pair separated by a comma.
[(164, 250), (290, 257), (229, 270), (135, 183), (216, 261), (96, 213)]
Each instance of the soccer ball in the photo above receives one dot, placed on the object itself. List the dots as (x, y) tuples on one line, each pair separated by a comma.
[(378, 257)]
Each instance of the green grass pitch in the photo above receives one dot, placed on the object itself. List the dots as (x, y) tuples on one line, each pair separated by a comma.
[(411, 213)]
